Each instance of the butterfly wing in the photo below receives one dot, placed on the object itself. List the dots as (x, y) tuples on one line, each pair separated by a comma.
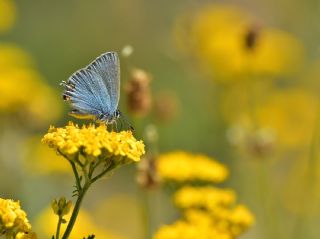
[(87, 94), (108, 67)]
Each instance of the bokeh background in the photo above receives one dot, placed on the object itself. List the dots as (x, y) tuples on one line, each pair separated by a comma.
[(235, 80)]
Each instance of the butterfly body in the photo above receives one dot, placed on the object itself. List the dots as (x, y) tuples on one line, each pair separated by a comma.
[(94, 91)]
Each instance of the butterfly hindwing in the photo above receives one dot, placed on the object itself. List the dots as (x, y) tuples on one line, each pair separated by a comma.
[(87, 94)]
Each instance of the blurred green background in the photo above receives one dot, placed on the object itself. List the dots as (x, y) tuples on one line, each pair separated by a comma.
[(219, 109)]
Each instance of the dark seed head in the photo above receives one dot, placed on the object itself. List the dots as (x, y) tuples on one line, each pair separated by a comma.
[(251, 38)]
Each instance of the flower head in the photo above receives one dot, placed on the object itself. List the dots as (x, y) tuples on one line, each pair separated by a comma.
[(22, 89), (192, 167), (203, 197), (94, 141), (13, 220), (228, 42)]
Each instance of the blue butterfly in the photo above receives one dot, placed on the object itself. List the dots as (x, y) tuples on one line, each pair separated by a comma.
[(94, 91)]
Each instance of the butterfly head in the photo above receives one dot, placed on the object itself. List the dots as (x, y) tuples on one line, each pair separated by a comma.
[(109, 118)]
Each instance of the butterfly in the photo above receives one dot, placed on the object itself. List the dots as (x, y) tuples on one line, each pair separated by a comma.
[(94, 91)]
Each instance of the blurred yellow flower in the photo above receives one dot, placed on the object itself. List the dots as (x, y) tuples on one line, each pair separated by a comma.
[(285, 119), (199, 224), (185, 230), (228, 42), (7, 14), (94, 141), (46, 223), (29, 235), (119, 211), (207, 197), (42, 160), (22, 89), (209, 212), (13, 57), (191, 167), (233, 221), (291, 114), (13, 220)]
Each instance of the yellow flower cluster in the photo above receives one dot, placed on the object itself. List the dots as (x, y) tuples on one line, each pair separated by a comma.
[(22, 89), (213, 206), (227, 41), (13, 220), (181, 166), (182, 229), (203, 197), (42, 160), (94, 141), (226, 223), (209, 212), (7, 14)]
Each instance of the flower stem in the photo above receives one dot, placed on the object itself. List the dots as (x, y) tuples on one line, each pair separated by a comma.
[(58, 228), (76, 210)]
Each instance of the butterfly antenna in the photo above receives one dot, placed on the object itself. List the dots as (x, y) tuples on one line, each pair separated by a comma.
[(126, 121), (116, 125)]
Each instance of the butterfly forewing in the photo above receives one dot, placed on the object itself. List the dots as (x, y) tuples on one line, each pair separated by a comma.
[(93, 92), (87, 94), (108, 67)]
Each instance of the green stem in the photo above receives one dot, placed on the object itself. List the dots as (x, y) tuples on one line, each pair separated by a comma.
[(76, 175), (107, 169), (146, 213), (58, 228), (76, 210)]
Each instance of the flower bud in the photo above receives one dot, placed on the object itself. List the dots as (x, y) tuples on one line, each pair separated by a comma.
[(61, 207), (147, 176), (138, 92)]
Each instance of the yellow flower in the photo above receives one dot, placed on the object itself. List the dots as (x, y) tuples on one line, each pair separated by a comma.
[(123, 208), (13, 57), (182, 166), (22, 89), (23, 235), (42, 160), (199, 224), (46, 223), (7, 14), (95, 142), (203, 197), (185, 230), (227, 42), (232, 221), (284, 120), (241, 218), (291, 114), (13, 219)]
